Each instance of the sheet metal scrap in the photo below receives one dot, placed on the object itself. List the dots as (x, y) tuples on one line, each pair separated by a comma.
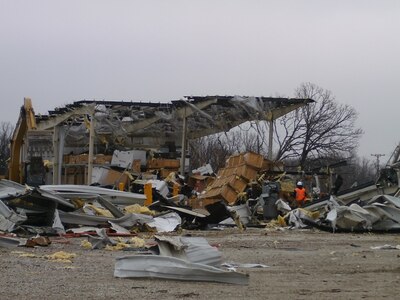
[(192, 249), (7, 242), (102, 240), (11, 189), (127, 221), (180, 258), (166, 223), (164, 267), (115, 197), (9, 219)]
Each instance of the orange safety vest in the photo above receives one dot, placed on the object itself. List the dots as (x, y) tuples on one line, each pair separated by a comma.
[(300, 194)]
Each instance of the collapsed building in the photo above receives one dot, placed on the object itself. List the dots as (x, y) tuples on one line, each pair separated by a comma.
[(137, 153), (128, 147), (59, 160), (141, 148), (97, 128)]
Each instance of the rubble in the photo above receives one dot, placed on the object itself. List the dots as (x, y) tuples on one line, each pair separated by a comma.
[(142, 201), (379, 214), (241, 195)]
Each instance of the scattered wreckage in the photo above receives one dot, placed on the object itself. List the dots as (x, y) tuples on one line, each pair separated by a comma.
[(379, 214), (242, 194)]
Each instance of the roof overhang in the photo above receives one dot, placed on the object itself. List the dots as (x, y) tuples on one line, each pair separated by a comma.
[(204, 115)]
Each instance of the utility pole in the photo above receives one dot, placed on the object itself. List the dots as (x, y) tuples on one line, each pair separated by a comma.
[(378, 156)]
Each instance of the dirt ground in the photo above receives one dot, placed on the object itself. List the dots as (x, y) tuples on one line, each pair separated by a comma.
[(303, 264)]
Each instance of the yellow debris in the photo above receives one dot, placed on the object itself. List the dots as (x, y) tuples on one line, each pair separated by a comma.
[(17, 252), (117, 247), (272, 224), (137, 242), (61, 256), (119, 239), (78, 203), (281, 221), (86, 244), (24, 254), (137, 209), (28, 255), (47, 163), (312, 214), (100, 211)]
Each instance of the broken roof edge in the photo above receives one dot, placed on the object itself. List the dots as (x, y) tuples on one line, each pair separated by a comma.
[(284, 105), (178, 102)]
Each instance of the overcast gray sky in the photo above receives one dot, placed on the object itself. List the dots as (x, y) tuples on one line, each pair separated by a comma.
[(57, 52)]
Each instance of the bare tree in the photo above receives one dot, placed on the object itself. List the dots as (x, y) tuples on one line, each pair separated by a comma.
[(362, 171), (249, 137), (6, 130), (321, 129), (215, 149), (212, 149)]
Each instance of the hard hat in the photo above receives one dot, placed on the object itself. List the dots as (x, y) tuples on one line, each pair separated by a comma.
[(299, 183)]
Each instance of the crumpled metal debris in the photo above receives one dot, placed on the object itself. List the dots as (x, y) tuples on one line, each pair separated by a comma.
[(180, 258), (379, 214), (192, 249), (9, 219), (102, 240), (166, 223), (386, 247), (165, 267)]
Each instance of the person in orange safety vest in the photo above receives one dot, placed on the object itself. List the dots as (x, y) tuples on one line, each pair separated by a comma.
[(300, 194)]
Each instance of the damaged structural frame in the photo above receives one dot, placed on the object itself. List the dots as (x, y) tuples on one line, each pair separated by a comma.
[(133, 125)]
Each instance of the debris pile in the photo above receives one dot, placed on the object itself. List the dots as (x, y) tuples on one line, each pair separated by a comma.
[(134, 196), (379, 214)]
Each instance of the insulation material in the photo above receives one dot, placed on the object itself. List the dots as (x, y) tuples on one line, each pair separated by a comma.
[(138, 209), (61, 256), (137, 242)]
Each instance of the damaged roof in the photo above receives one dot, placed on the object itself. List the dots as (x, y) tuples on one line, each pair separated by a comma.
[(134, 122)]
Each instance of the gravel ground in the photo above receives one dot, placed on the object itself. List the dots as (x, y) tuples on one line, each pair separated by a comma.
[(303, 264)]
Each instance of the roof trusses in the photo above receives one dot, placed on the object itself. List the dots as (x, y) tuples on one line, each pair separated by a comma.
[(205, 115)]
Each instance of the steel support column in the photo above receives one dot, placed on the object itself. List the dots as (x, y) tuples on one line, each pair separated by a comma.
[(184, 142)]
